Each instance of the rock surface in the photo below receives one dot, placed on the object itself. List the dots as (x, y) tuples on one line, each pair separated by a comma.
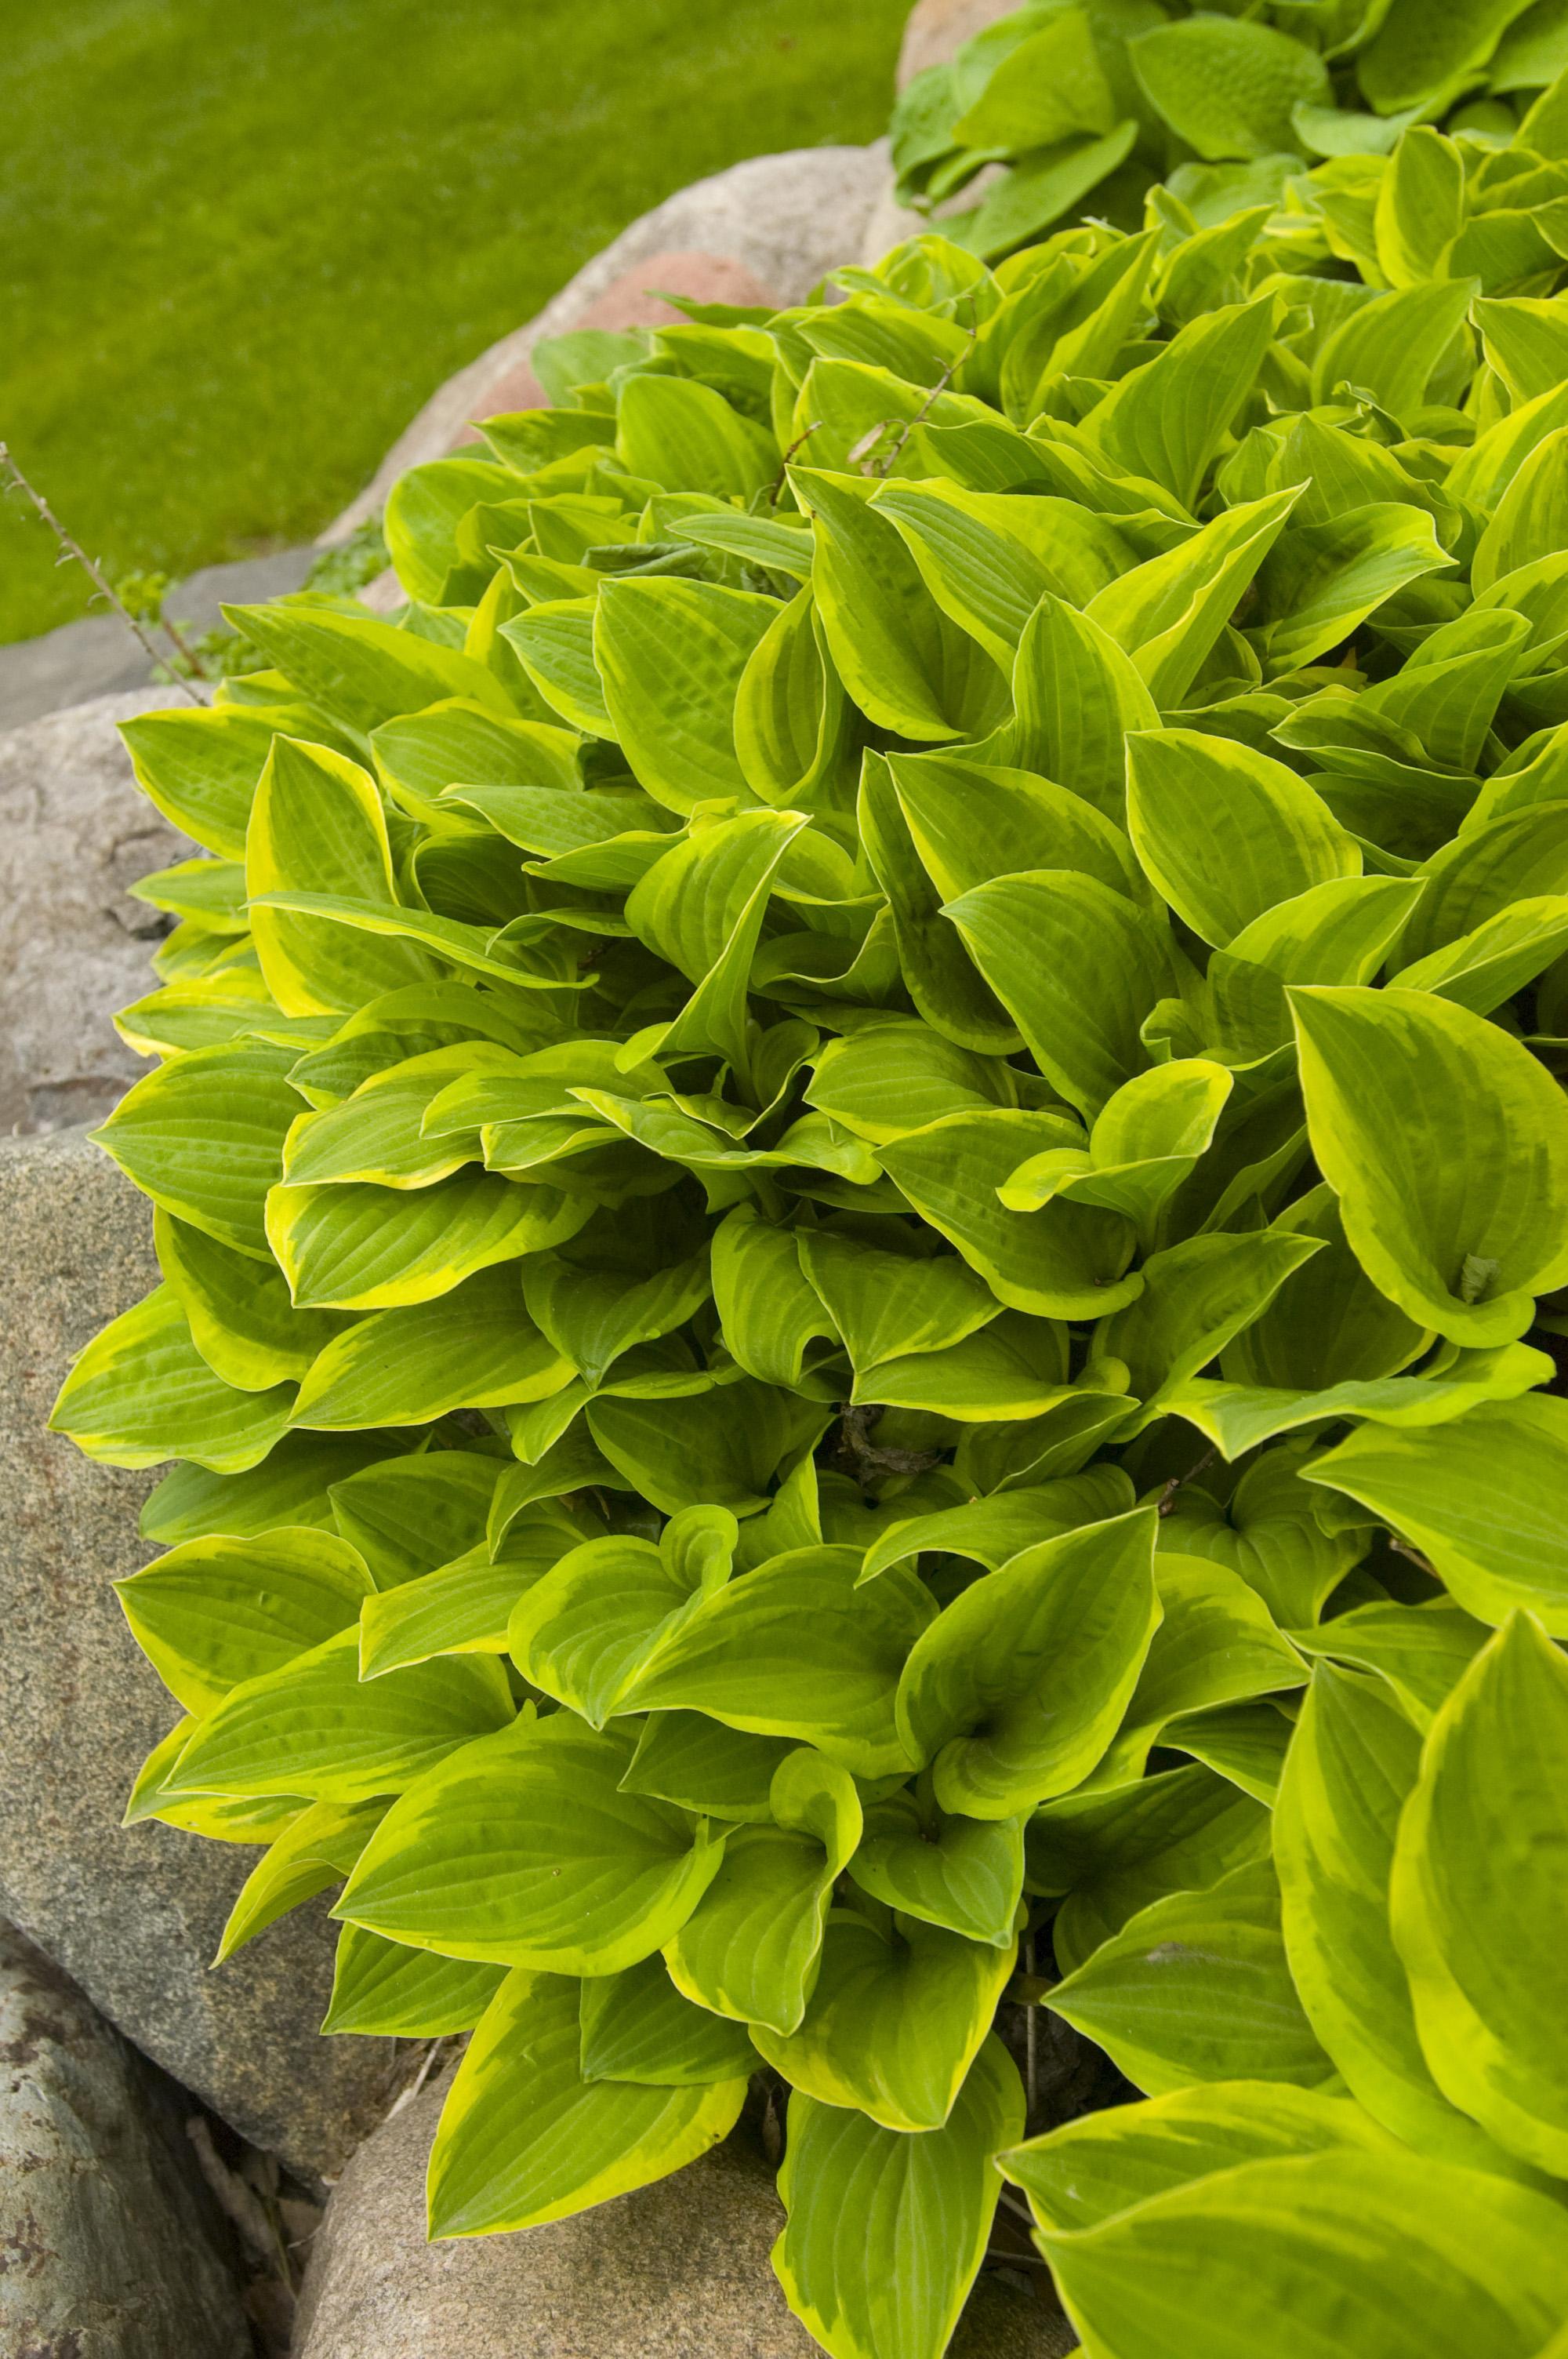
[(132, 1915), (75, 832), (781, 220), (109, 2246), (676, 2271)]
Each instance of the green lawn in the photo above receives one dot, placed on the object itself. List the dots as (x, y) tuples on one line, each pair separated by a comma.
[(240, 244)]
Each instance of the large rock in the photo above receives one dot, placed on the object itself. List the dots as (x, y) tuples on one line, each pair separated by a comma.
[(676, 2271), (779, 221), (75, 832), (133, 1915), (109, 2246)]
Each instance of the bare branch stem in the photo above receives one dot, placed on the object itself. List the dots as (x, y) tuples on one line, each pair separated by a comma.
[(72, 547)]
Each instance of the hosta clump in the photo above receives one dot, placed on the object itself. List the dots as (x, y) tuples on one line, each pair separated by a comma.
[(853, 1156), (1065, 102)]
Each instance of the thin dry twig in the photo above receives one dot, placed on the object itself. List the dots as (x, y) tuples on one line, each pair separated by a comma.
[(1175, 1481), (780, 479), (426, 2066), (943, 380), (70, 548)]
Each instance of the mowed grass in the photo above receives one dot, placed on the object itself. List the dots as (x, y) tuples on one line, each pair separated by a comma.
[(240, 245)]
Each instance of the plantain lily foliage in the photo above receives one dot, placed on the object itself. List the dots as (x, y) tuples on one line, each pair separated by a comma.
[(1065, 102), (855, 1151)]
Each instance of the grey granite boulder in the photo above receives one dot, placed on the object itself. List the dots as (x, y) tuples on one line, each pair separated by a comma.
[(782, 221), (676, 2271), (111, 2247), (75, 832), (133, 1915)]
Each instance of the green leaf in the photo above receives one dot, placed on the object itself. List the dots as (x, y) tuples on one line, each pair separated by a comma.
[(1075, 694), (364, 670), (219, 1611), (316, 1848), (902, 662), (793, 728), (636, 2026), (965, 1874), (1166, 421), (774, 1320), (1078, 967), (1224, 832), (203, 1136), (887, 1303), (1422, 1651), (1145, 1140), (1352, 1764), (1477, 1902), (674, 431), (1196, 1987), (752, 1947), (725, 1448), (1168, 613), (1216, 1642), (381, 1987), (896, 2020), (476, 1347), (685, 1758), (521, 1851), (1278, 2255), (312, 1726), (241, 1320), (1421, 206), (670, 655), (1050, 85), (1029, 823), (1016, 1688), (1237, 1418), (1227, 87), (988, 558), (199, 766), (796, 1649), (1107, 2163), (1409, 56), (886, 2231), (1196, 1297), (142, 1393), (1481, 1497), (1327, 1322), (317, 825), (1112, 1850), (1390, 348), (940, 979), (1322, 580), (586, 1630), (1461, 1243), (524, 2139), (408, 1516)]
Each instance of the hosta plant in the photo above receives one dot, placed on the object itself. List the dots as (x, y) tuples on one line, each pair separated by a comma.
[(1068, 102), (854, 1150)]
